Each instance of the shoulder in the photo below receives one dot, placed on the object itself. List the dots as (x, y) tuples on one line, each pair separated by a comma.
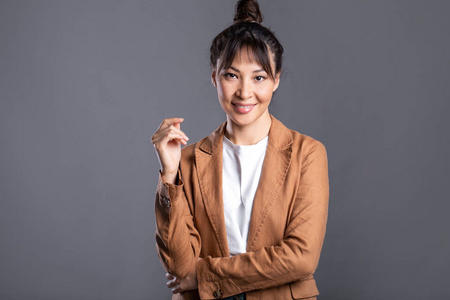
[(305, 142), (300, 146), (283, 137), (308, 151), (303, 147)]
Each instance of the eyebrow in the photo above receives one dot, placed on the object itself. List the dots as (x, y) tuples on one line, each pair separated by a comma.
[(256, 71)]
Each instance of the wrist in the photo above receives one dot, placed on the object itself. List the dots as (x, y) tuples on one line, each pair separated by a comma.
[(169, 177)]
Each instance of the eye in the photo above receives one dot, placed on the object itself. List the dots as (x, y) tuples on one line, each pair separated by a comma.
[(230, 75), (259, 78)]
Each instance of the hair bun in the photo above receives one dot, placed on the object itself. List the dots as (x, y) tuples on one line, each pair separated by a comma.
[(247, 11)]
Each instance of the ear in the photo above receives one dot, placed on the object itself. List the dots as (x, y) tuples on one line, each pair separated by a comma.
[(277, 81), (213, 78)]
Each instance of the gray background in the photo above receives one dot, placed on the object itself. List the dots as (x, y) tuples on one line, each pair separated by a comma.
[(84, 84)]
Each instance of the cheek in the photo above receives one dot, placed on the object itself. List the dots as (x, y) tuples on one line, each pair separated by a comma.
[(220, 90), (224, 90), (265, 94)]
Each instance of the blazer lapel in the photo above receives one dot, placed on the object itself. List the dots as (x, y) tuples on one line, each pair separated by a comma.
[(275, 166), (208, 159)]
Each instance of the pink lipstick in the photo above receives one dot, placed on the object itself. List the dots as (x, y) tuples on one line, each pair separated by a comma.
[(243, 109)]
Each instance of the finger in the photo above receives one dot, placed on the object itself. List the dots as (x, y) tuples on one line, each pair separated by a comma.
[(170, 137), (169, 276), (170, 121), (178, 138), (161, 133), (178, 130), (177, 125), (171, 284), (177, 290)]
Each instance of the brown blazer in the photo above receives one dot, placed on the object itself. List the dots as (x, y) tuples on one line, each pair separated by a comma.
[(287, 224)]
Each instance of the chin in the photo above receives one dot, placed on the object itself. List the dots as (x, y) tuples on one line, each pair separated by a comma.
[(243, 120)]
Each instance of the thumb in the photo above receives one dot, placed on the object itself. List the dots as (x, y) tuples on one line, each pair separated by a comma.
[(177, 125)]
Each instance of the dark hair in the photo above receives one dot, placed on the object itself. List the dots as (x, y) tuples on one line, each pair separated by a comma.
[(247, 32)]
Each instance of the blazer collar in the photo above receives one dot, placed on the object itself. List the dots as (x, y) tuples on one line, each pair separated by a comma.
[(208, 159), (279, 137)]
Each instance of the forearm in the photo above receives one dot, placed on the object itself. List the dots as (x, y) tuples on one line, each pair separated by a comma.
[(177, 240), (295, 257), (292, 260)]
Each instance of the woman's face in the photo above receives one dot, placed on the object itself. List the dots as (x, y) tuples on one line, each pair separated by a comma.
[(245, 90)]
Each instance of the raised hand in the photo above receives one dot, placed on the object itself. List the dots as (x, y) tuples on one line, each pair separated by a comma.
[(167, 141)]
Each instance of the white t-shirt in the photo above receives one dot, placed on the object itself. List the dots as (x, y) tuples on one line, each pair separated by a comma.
[(241, 171)]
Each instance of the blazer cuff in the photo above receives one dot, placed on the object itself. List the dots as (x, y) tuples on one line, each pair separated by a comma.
[(211, 286), (169, 193)]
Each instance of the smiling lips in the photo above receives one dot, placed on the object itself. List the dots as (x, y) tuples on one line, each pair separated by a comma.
[(243, 109)]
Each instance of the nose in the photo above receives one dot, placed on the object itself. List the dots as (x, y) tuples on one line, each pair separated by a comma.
[(244, 90)]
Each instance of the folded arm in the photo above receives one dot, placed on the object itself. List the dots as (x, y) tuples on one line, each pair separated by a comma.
[(294, 258)]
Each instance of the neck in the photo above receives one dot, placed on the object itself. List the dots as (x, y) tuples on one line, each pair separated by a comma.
[(248, 134)]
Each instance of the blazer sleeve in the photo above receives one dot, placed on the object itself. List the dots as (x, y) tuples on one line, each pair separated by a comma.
[(295, 257), (177, 240)]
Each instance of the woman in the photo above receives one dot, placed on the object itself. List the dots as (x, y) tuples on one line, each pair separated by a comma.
[(243, 211)]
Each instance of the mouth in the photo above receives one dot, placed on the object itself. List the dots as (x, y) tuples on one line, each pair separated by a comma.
[(243, 109)]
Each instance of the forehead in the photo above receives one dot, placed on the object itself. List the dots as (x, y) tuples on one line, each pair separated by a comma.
[(246, 55)]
